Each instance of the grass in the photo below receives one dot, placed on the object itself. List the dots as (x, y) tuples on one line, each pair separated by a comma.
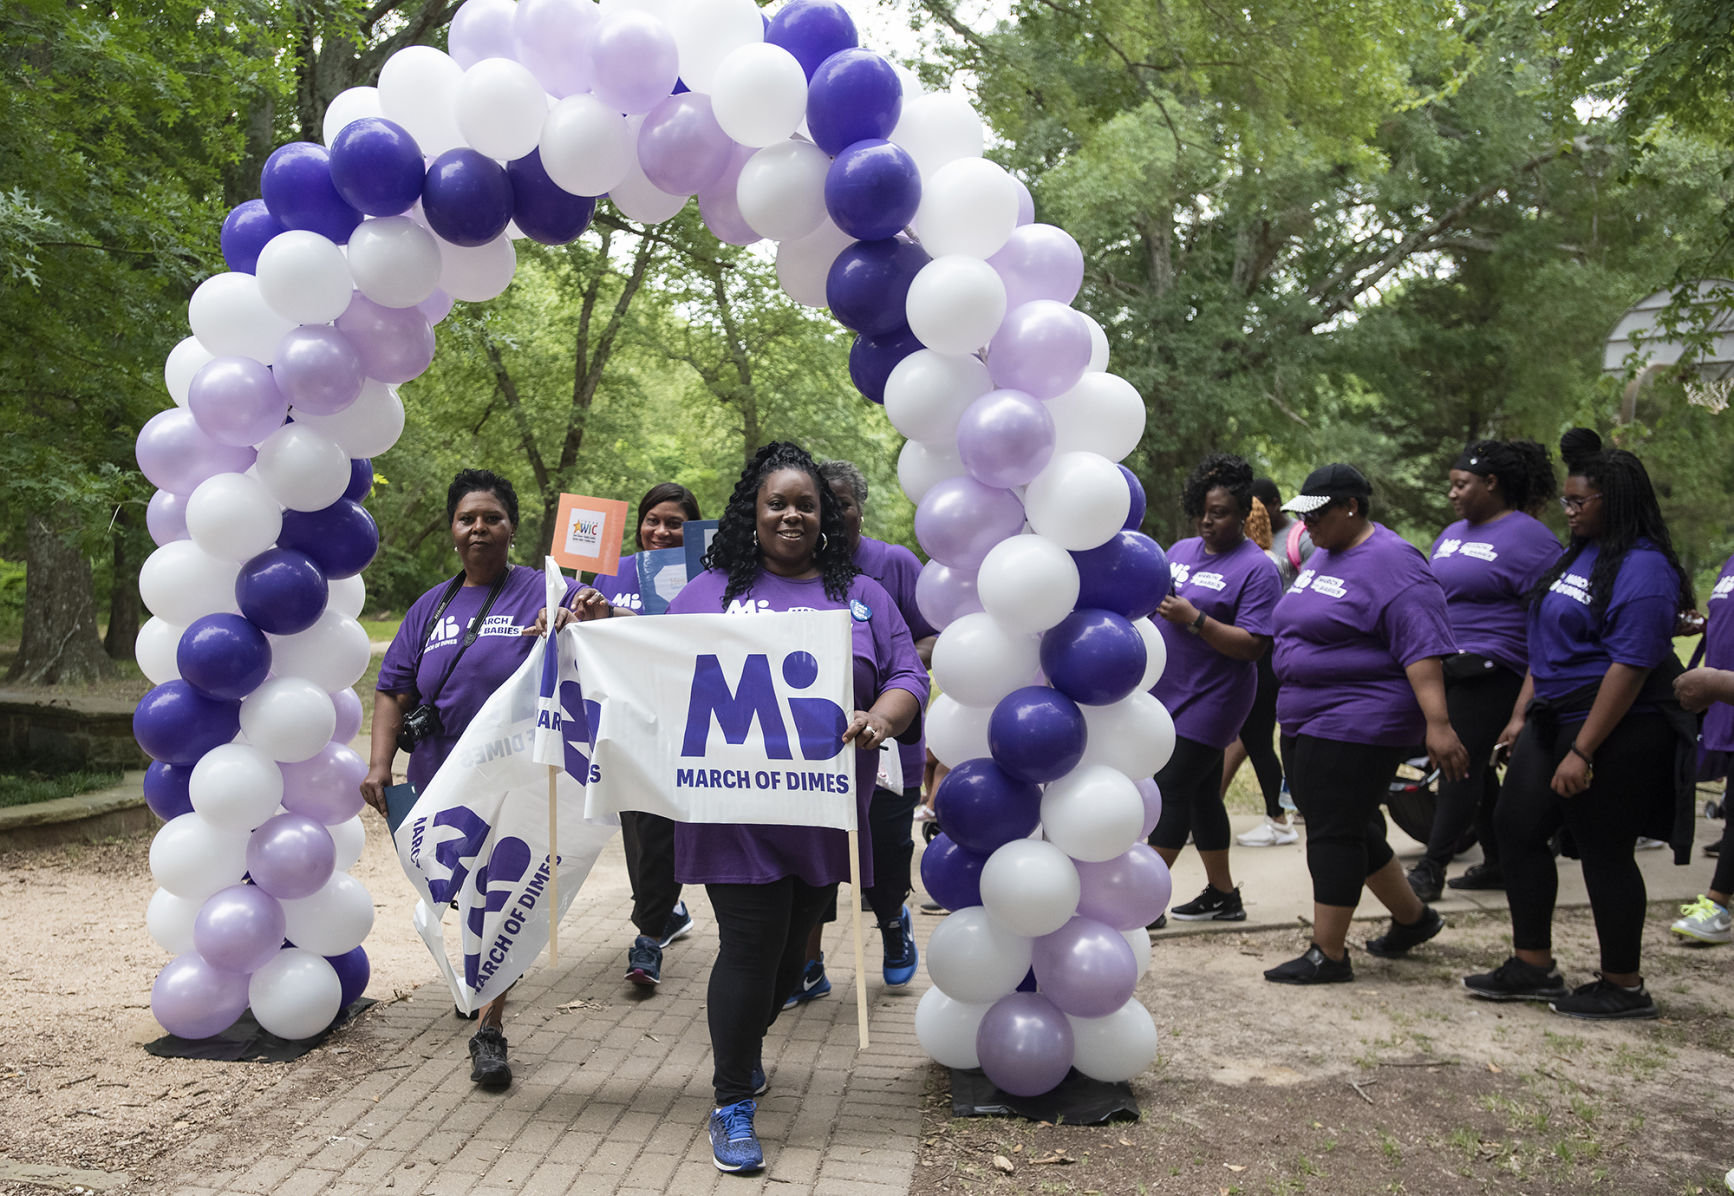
[(28, 788), (381, 630)]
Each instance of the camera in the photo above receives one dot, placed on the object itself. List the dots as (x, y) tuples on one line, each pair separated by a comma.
[(421, 723)]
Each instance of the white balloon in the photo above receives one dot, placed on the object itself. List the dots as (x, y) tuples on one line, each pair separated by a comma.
[(395, 261), (759, 95), (303, 469), (1030, 887), (231, 318), (351, 836), (346, 596), (956, 732), (296, 995), (418, 89), (946, 1029), (333, 920), (922, 465), (955, 304), (346, 107), (1098, 345), (1119, 1046), (928, 392), (181, 582), (938, 128), (637, 198), (169, 919), (782, 190), (1134, 735), (154, 649), (1102, 414), (968, 207), (333, 653), (185, 359), (477, 273), (193, 859), (289, 719), (974, 959), (368, 426), (1093, 813), (232, 516), (979, 661), (1155, 652), (235, 787), (304, 277), (706, 32), (1080, 501), (804, 264), (1138, 939), (586, 146), (500, 108), (1028, 583)]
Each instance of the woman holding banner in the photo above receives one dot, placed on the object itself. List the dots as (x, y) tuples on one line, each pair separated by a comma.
[(782, 545)]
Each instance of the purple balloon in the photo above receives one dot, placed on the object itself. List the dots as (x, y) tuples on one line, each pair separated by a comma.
[(175, 454), (951, 874), (318, 369), (236, 401), (327, 787), (945, 595), (165, 789), (1135, 516), (1085, 968), (983, 807), (1127, 575), (246, 229), (395, 343), (868, 284), (297, 187), (1095, 657), (544, 212), (348, 706), (1026, 202), (812, 30), (854, 95), (341, 539), (192, 999), (1025, 1044), (290, 856), (872, 189), (550, 37), (681, 148), (1127, 892), (1042, 348), (353, 972), (376, 166), (360, 478), (1152, 795), (281, 591), (177, 724), (720, 206), (1040, 261), (872, 358), (481, 29), (1005, 438), (166, 517), (1028, 983), (1036, 734), (466, 197), (959, 520), (239, 929), (633, 61), (223, 656), (436, 307)]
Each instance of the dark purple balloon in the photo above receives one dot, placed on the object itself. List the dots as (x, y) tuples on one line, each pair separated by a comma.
[(544, 211), (341, 539), (1093, 656), (177, 724), (950, 874), (246, 229), (812, 30), (297, 187), (165, 789), (983, 807), (872, 190), (1028, 983), (353, 972), (376, 166), (872, 358), (1036, 734), (223, 656), (1127, 575), (854, 95), (1135, 516), (360, 479), (281, 591), (868, 285), (467, 197)]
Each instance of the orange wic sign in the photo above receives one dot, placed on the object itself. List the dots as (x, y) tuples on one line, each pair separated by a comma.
[(587, 533)]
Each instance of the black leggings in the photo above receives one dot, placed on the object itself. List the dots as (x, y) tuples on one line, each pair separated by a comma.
[(1633, 768), (649, 843), (1258, 737), (1339, 788), (1191, 784), (1480, 707), (1723, 881), (890, 815), (763, 932)]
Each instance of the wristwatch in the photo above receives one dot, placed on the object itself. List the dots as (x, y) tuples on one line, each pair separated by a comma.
[(1196, 627)]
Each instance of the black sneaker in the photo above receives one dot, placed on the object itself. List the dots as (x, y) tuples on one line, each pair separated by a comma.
[(1212, 905), (1603, 1001), (1427, 879), (1314, 967), (1515, 980), (1161, 923), (1478, 877), (488, 1066), (1396, 941), (680, 924), (644, 962)]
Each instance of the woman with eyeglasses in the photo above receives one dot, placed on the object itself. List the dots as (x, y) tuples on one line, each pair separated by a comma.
[(1595, 737), (1487, 562), (1359, 640)]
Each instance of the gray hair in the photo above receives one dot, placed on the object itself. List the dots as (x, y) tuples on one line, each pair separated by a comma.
[(848, 472)]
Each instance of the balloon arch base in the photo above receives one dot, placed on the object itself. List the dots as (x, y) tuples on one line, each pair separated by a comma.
[(1075, 1100)]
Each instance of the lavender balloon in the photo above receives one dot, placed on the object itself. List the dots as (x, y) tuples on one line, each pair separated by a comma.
[(175, 454), (236, 401), (681, 147), (1041, 348), (1152, 795), (327, 787), (1039, 261), (1126, 892), (1086, 968), (481, 29), (551, 38), (239, 929), (945, 594), (318, 369), (166, 517), (395, 343), (1005, 438), (192, 999), (960, 520), (291, 856), (1025, 1043), (633, 61)]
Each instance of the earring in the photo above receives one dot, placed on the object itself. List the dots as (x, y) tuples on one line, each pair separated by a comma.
[(823, 541), (755, 537)]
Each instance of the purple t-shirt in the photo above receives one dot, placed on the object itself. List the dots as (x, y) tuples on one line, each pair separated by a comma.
[(895, 567), (1486, 570), (1569, 648), (1346, 630), (749, 853), (1210, 694), (499, 649), (1718, 732), (621, 589)]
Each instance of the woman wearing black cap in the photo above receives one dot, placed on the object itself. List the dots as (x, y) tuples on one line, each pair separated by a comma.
[(1359, 639)]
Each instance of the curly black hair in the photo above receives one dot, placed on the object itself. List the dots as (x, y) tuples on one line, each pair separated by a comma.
[(468, 481), (1630, 513), (1523, 468), (1226, 470), (735, 548)]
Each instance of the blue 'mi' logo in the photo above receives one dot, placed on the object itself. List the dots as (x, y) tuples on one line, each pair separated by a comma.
[(819, 722)]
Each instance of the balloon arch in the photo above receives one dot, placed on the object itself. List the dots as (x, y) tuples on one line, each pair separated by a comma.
[(881, 208)]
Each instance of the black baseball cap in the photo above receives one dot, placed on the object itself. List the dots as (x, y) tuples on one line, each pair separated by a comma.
[(1326, 485)]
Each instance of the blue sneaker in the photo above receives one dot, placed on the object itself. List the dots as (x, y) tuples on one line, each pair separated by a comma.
[(813, 985), (900, 953), (680, 925), (733, 1144), (761, 1084), (644, 962)]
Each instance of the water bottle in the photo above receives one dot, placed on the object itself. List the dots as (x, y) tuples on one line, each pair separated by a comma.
[(1284, 798)]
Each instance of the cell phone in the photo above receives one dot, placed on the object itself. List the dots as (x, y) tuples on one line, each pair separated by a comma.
[(1501, 755)]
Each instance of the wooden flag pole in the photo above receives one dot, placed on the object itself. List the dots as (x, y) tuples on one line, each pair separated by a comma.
[(553, 873), (860, 950)]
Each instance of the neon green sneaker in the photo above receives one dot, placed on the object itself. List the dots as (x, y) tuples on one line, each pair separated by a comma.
[(1704, 921)]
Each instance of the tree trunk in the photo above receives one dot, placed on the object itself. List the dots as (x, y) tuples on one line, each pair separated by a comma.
[(123, 603), (60, 645)]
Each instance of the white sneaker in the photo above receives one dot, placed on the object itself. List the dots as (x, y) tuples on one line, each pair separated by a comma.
[(1705, 921), (1647, 844), (1269, 833)]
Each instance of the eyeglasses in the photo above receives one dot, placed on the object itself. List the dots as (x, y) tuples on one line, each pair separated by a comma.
[(1573, 503)]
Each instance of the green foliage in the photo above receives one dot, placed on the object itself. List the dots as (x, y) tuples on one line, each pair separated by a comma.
[(28, 788)]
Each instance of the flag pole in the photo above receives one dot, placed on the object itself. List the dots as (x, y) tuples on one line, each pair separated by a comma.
[(860, 950), (553, 873)]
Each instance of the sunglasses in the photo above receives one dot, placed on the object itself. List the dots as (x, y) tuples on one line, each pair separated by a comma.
[(1309, 518)]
